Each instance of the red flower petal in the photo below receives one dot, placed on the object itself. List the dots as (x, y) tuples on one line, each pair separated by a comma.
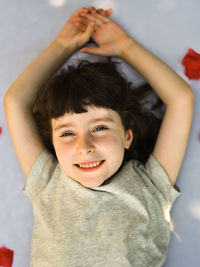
[(191, 61), (6, 257)]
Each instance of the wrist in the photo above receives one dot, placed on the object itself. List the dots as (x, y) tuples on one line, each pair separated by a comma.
[(127, 48), (63, 46)]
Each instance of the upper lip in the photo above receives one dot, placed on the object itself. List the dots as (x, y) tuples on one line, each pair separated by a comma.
[(89, 162)]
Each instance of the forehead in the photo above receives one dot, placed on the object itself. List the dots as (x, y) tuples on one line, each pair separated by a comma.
[(92, 114)]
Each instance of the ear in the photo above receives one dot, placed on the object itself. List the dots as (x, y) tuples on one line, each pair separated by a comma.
[(128, 138)]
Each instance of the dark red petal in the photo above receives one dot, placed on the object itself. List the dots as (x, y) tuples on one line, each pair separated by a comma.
[(6, 257), (191, 61)]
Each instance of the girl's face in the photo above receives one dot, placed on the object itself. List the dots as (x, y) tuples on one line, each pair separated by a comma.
[(90, 146)]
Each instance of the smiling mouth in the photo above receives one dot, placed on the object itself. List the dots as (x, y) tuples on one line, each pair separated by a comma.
[(91, 166)]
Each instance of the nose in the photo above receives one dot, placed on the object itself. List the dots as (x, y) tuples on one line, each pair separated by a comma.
[(85, 145)]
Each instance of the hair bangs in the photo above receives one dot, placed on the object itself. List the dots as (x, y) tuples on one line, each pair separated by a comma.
[(92, 88)]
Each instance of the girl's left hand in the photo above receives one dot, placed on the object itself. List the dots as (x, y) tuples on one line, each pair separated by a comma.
[(73, 35), (110, 37)]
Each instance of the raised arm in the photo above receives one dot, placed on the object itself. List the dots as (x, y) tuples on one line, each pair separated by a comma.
[(19, 98), (174, 132), (173, 136)]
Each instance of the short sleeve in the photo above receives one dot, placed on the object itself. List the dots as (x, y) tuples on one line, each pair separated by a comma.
[(40, 174), (160, 180)]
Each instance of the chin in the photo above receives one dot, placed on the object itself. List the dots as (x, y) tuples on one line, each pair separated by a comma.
[(92, 184)]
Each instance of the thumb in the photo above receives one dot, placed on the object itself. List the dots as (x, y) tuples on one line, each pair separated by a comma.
[(89, 31), (93, 51)]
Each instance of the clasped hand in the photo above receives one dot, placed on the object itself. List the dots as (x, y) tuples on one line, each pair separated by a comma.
[(93, 23)]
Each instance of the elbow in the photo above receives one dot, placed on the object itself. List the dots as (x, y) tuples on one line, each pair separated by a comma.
[(7, 96), (190, 93), (185, 101), (188, 96)]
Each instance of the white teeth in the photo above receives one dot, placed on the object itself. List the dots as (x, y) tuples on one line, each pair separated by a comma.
[(89, 165)]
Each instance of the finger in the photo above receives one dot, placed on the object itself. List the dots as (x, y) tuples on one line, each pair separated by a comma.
[(109, 11), (102, 18), (91, 9), (101, 12), (92, 18), (80, 23), (83, 26), (84, 10), (89, 31), (85, 22), (80, 26), (93, 12), (92, 51), (81, 20)]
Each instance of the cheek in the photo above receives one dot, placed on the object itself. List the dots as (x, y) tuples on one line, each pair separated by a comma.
[(63, 152), (112, 145), (113, 150)]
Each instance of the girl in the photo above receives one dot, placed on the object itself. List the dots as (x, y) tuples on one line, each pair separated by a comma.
[(97, 200)]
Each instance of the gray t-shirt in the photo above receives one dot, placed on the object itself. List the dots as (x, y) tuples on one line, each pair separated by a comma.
[(119, 224)]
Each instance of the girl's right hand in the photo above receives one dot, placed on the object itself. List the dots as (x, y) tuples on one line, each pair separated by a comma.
[(73, 35), (110, 37)]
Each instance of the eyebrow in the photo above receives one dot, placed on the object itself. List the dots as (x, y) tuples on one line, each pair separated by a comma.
[(64, 125)]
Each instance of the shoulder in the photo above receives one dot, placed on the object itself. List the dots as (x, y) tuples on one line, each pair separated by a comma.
[(40, 174), (155, 179)]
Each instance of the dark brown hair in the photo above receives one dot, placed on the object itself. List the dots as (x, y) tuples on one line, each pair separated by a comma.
[(101, 85)]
